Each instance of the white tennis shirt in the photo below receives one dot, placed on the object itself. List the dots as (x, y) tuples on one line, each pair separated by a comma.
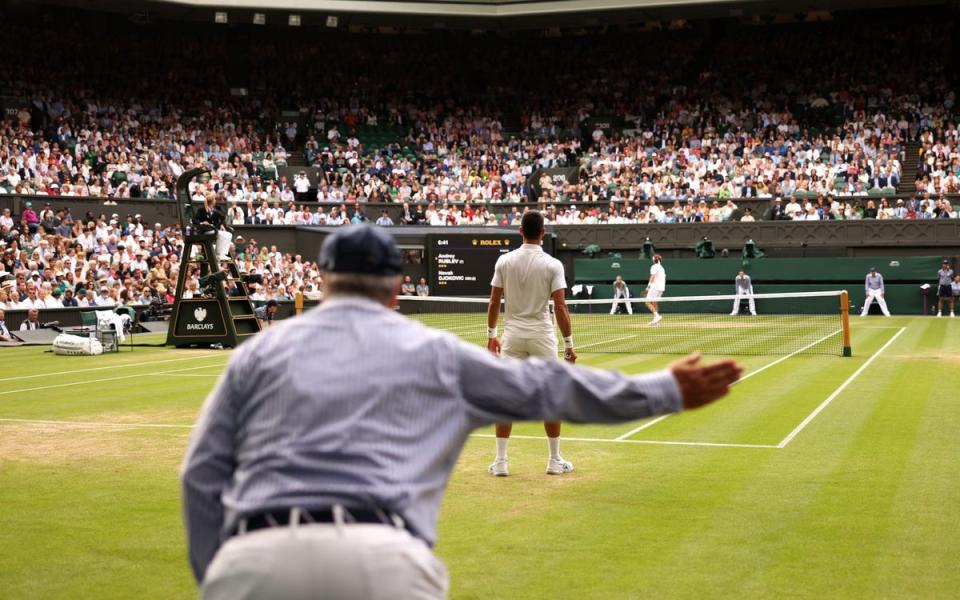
[(659, 278), (528, 277)]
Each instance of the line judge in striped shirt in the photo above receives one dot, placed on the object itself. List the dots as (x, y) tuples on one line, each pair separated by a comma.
[(310, 477)]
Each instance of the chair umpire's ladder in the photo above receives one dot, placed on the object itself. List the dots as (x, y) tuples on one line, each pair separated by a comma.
[(213, 317)]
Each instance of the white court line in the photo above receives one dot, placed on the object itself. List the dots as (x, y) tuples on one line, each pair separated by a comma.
[(626, 337), (837, 391), (118, 378), (747, 376), (783, 358), (187, 374), (465, 328), (641, 428), (616, 441), (116, 366), (97, 424)]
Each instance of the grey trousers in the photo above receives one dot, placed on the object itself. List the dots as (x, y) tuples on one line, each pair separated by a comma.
[(325, 561)]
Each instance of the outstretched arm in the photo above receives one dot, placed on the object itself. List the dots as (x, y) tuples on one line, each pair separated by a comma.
[(536, 389)]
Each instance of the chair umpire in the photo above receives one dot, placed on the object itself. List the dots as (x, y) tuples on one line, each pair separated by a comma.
[(319, 461)]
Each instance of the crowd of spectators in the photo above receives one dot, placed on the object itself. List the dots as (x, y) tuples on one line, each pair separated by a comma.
[(671, 127), (106, 261), (939, 168), (690, 124)]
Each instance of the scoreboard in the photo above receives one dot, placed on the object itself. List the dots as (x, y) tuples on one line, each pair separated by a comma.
[(461, 264)]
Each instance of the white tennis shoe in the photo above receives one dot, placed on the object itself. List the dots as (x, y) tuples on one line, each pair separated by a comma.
[(558, 466), (656, 320), (498, 468)]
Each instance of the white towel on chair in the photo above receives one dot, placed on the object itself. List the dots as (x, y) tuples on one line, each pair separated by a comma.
[(107, 319)]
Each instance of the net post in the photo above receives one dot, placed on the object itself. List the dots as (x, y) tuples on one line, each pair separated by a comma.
[(298, 303), (845, 322)]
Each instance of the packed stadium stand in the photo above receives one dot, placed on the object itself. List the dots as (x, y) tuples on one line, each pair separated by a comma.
[(715, 121)]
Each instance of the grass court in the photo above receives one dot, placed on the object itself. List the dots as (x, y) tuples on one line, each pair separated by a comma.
[(818, 477)]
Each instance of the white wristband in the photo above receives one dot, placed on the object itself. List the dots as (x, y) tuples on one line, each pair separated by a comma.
[(568, 342), (491, 333)]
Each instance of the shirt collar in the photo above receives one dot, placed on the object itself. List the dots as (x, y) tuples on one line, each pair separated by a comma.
[(350, 301), (536, 247)]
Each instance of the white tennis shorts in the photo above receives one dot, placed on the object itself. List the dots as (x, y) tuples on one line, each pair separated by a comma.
[(654, 294), (521, 346)]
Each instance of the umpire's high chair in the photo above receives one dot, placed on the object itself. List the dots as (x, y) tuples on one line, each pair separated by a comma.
[(221, 311)]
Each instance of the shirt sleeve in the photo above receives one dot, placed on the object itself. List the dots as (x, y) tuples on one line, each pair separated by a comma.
[(497, 280), (559, 282), (207, 470), (504, 389)]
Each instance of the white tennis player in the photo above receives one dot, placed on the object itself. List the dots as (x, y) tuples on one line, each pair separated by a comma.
[(526, 279), (656, 285)]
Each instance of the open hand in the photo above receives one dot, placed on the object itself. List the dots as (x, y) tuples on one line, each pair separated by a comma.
[(700, 385)]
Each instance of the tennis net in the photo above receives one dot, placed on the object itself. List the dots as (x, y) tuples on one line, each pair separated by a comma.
[(788, 323)]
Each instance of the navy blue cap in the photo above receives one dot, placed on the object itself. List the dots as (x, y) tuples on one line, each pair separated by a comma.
[(364, 249)]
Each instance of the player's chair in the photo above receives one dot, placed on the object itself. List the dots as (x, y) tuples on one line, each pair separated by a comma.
[(131, 323), (90, 324)]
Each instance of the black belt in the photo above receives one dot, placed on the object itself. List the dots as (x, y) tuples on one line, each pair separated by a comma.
[(282, 518)]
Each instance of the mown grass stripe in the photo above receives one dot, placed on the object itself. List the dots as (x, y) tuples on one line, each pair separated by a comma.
[(863, 449)]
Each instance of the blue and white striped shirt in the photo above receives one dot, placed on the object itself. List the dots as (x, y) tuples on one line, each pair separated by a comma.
[(873, 282), (355, 404)]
